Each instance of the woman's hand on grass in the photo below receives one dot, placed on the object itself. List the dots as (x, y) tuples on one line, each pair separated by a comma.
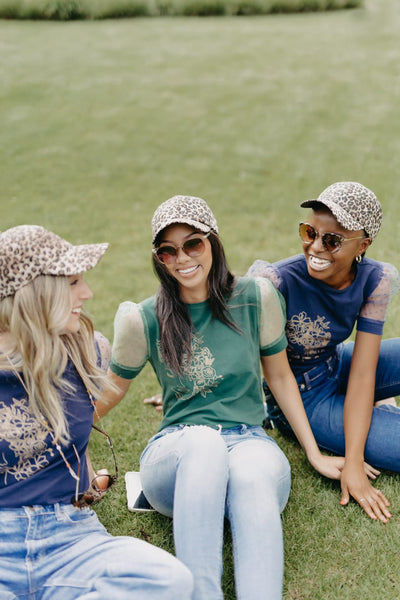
[(332, 467), (371, 472), (155, 400), (329, 466), (354, 482)]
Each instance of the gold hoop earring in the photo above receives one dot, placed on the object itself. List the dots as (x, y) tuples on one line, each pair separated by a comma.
[(358, 259)]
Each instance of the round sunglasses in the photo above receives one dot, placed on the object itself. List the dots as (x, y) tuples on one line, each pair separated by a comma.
[(193, 247), (332, 242)]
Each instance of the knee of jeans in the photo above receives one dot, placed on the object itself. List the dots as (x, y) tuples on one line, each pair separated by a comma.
[(166, 575), (257, 464), (181, 581)]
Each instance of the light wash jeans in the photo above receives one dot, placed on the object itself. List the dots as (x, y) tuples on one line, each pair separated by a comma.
[(323, 390), (197, 475), (57, 552)]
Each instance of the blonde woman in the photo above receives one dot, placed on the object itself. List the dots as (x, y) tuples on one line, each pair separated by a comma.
[(52, 544)]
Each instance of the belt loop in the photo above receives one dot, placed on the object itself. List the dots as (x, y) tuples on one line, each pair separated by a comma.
[(307, 382), (332, 362), (329, 364)]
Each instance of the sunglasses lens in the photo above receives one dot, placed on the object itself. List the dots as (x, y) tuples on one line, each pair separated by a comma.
[(332, 242), (307, 233), (102, 482), (194, 247), (166, 254)]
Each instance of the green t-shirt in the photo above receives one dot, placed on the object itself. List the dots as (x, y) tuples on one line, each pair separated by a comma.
[(221, 386)]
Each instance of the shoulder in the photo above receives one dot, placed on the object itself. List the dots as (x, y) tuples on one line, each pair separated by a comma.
[(278, 271), (262, 268), (382, 274), (126, 311), (390, 272), (265, 287), (131, 312), (248, 287), (260, 290), (135, 321), (128, 320), (103, 350)]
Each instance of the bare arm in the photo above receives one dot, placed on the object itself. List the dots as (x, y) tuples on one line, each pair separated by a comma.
[(357, 420), (284, 388), (113, 397)]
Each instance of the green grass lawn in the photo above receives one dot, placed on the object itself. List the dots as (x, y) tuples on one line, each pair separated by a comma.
[(102, 121)]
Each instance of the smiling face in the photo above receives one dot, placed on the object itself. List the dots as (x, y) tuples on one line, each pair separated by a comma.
[(80, 292), (336, 270), (191, 273)]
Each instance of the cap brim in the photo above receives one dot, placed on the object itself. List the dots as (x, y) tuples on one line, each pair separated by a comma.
[(78, 259), (310, 203), (340, 215)]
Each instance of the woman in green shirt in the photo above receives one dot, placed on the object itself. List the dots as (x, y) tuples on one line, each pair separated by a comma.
[(204, 334)]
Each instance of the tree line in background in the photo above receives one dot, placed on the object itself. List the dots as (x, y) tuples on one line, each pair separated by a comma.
[(65, 10)]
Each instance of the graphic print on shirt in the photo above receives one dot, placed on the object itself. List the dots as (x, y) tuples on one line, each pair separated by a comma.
[(302, 331), (26, 440), (199, 372)]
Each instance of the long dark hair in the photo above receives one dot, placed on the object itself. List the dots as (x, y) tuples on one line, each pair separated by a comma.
[(176, 328)]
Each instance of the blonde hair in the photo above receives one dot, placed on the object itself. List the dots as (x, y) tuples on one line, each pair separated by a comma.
[(36, 317)]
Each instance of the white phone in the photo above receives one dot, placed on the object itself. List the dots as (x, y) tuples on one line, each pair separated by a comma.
[(137, 501)]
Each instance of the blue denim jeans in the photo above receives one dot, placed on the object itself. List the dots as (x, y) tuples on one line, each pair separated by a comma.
[(198, 475), (57, 552), (323, 392)]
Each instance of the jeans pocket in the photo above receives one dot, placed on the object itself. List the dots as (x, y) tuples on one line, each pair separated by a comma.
[(70, 514), (155, 442)]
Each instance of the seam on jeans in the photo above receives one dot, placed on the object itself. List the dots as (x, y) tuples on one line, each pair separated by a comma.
[(67, 583)]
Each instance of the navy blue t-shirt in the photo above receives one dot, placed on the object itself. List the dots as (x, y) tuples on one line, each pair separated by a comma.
[(32, 470), (320, 317)]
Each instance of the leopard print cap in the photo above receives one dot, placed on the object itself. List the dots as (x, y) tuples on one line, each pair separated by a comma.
[(183, 209), (27, 251), (354, 206)]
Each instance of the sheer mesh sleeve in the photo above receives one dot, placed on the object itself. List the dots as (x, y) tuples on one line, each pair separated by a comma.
[(272, 320), (104, 348), (376, 305), (262, 268), (130, 345)]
